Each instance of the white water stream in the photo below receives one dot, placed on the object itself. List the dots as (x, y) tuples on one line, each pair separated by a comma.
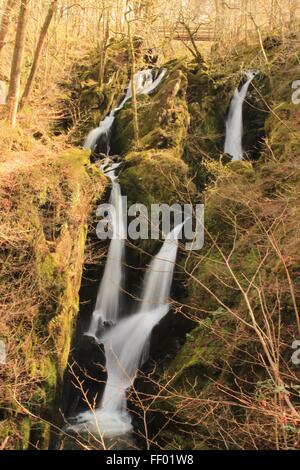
[(125, 345), (108, 297), (144, 85), (234, 124)]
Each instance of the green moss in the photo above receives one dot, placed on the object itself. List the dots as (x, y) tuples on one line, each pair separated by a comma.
[(24, 429), (46, 270), (242, 168), (40, 435), (163, 117), (52, 202), (153, 176), (200, 354)]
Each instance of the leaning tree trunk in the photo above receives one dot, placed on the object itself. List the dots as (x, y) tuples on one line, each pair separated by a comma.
[(219, 19), (37, 54), (133, 89), (6, 18), (104, 45), (15, 74)]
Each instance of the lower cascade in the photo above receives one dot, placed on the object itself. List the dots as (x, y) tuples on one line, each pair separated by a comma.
[(125, 346), (234, 124)]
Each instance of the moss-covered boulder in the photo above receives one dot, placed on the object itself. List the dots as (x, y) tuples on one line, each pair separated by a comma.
[(163, 117), (154, 177)]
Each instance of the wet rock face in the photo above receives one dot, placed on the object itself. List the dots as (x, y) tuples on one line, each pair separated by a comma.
[(208, 96), (163, 116), (88, 367), (255, 114)]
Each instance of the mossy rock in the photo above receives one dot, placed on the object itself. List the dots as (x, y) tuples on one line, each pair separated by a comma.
[(84, 92), (163, 117), (49, 205), (153, 177), (200, 356)]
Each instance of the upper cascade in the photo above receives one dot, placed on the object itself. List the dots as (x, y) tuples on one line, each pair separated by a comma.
[(145, 83)]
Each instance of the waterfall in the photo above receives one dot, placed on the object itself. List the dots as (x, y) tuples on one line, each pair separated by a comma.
[(104, 130), (126, 341), (145, 84), (234, 123), (108, 297), (124, 345), (159, 277)]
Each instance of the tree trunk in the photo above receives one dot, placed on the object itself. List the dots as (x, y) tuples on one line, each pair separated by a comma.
[(6, 18), (104, 44), (15, 74), (219, 19), (37, 54), (118, 17), (133, 86)]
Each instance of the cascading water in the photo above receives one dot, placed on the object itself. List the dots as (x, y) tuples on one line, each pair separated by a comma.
[(144, 84), (158, 280), (234, 124), (104, 130), (126, 342), (108, 297), (160, 274), (125, 345)]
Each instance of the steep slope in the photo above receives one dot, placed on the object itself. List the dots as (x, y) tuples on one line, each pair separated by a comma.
[(234, 385), (43, 229)]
